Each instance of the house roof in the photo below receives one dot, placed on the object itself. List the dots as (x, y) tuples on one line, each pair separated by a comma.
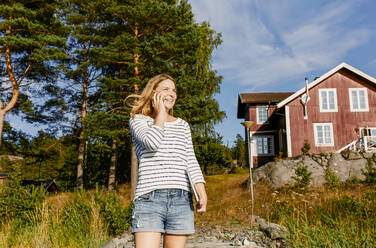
[(341, 66), (259, 98), (271, 97)]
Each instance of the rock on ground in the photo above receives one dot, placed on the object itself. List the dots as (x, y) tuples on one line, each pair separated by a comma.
[(344, 166)]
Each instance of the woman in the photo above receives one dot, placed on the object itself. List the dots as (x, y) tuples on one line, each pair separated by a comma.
[(163, 144)]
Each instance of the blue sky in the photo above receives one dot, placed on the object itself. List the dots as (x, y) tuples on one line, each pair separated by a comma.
[(271, 46)]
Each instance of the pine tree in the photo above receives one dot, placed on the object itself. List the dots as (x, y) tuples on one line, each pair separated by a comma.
[(31, 42), (239, 150), (84, 18), (146, 38)]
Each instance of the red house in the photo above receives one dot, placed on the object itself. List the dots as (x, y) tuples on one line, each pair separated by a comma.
[(336, 111)]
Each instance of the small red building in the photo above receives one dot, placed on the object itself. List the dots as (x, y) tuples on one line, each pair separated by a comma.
[(336, 111)]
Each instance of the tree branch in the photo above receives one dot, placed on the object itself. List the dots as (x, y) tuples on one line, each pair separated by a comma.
[(24, 73)]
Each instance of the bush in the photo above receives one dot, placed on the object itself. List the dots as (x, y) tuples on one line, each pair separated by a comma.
[(332, 180), (370, 172), (302, 178), (117, 217), (278, 157), (306, 147), (17, 202)]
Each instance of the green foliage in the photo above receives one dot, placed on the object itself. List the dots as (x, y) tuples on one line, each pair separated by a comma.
[(370, 172), (18, 202), (306, 147), (117, 217), (32, 40), (239, 151), (76, 218), (340, 221), (278, 157), (302, 178), (114, 48), (332, 180), (280, 210), (212, 155)]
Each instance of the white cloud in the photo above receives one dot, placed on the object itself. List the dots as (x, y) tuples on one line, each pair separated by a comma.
[(266, 43)]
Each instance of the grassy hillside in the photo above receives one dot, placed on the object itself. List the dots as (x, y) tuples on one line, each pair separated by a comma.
[(341, 217)]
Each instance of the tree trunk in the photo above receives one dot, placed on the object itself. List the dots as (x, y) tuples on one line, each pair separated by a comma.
[(2, 118), (134, 171), (82, 139), (15, 89), (81, 154), (112, 171), (134, 162)]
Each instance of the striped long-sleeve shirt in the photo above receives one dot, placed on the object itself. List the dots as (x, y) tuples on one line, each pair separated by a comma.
[(164, 155)]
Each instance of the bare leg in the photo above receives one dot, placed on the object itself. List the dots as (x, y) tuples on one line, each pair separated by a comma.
[(147, 239), (174, 241)]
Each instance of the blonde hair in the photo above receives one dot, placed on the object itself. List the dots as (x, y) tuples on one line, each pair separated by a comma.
[(143, 103)]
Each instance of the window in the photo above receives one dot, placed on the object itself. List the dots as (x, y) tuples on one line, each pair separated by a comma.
[(373, 131), (262, 114), (323, 134), (369, 131), (358, 99), (264, 145), (328, 100)]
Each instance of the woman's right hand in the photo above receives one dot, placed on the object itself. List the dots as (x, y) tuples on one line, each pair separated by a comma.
[(160, 109)]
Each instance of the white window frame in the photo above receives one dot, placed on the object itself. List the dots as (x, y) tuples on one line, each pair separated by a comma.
[(258, 121), (370, 129), (365, 99), (327, 90), (315, 125), (254, 142)]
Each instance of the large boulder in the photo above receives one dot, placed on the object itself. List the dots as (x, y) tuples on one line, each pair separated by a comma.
[(278, 174), (339, 166), (347, 169), (275, 174), (318, 172)]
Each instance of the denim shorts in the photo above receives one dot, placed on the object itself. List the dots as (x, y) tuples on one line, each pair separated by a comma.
[(164, 211)]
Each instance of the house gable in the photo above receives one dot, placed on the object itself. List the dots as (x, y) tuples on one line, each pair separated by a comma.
[(344, 122), (343, 66)]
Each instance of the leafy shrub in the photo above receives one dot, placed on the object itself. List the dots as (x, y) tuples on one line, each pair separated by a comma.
[(302, 178), (353, 180), (117, 217), (278, 157), (17, 202), (332, 180), (370, 172), (306, 147)]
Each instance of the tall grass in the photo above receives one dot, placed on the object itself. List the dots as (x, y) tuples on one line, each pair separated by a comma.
[(343, 216), (81, 219), (323, 217)]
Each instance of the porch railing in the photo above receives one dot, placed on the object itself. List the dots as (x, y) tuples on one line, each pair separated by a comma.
[(369, 143), (366, 144)]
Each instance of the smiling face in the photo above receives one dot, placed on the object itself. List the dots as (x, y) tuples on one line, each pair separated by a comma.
[(168, 91)]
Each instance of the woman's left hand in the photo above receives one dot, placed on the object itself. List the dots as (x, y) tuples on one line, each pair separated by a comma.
[(200, 188)]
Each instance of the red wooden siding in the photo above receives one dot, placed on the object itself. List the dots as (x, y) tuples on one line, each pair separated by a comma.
[(344, 122), (270, 125)]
